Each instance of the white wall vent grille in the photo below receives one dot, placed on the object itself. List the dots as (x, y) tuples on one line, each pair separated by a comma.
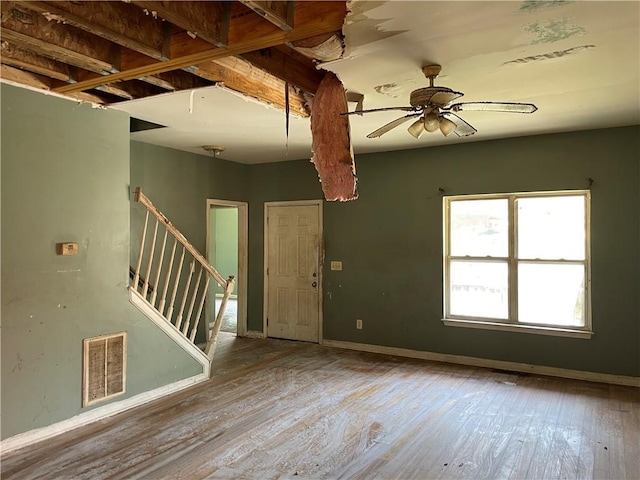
[(104, 367)]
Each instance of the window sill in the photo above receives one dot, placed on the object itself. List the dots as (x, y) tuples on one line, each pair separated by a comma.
[(510, 327)]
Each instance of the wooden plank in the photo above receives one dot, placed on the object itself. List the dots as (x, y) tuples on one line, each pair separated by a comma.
[(240, 76), (177, 80), (117, 22), (285, 67), (63, 43), (280, 13), (279, 409), (206, 20), (26, 78), (17, 57), (128, 89), (89, 97), (245, 35), (41, 82)]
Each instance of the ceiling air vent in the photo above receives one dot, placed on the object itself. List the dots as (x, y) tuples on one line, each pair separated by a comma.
[(104, 367)]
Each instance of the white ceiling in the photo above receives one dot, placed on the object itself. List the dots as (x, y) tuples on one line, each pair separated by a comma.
[(579, 62)]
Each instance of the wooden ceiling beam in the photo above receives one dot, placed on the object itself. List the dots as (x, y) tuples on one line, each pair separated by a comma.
[(128, 90), (17, 75), (32, 62), (281, 14), (303, 75), (41, 82), (243, 77), (181, 80), (117, 22), (63, 43), (246, 34), (206, 20)]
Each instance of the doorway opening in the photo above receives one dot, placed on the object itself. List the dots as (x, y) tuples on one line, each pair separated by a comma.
[(227, 226)]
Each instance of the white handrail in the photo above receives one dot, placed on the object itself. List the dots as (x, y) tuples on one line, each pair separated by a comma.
[(184, 325)]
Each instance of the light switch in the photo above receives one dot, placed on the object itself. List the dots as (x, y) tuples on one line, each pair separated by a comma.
[(336, 265)]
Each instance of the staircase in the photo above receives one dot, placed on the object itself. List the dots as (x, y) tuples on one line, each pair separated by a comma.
[(170, 286)]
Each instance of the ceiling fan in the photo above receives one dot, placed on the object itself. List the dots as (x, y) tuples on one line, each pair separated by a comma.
[(433, 107)]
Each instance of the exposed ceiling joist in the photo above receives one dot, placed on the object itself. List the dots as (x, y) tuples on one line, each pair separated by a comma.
[(126, 50), (241, 76), (42, 83), (127, 90), (287, 68), (245, 35), (117, 22), (206, 20), (26, 60), (55, 40), (281, 14), (177, 80)]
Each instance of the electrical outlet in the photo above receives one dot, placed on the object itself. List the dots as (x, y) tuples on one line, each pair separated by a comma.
[(336, 265), (359, 324)]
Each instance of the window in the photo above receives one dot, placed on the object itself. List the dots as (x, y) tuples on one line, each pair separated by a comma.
[(518, 261)]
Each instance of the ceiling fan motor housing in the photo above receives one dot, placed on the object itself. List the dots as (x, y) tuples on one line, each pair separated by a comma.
[(421, 97)]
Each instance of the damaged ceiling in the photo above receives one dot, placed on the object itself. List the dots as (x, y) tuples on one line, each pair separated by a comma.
[(110, 52), (219, 73)]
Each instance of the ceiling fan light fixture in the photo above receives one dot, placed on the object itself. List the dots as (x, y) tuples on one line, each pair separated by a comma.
[(447, 127), (431, 122), (417, 128)]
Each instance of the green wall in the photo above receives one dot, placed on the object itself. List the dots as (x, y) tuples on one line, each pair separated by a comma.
[(390, 243), (179, 184), (65, 178), (271, 182), (226, 238)]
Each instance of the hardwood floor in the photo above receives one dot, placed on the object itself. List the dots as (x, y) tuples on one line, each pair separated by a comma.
[(278, 409)]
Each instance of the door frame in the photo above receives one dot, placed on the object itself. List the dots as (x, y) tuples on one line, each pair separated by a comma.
[(243, 242), (265, 241)]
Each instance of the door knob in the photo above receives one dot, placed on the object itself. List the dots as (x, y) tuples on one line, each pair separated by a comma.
[(314, 284)]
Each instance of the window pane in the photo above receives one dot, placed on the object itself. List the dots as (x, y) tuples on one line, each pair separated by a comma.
[(479, 289), (551, 294), (479, 227), (551, 228)]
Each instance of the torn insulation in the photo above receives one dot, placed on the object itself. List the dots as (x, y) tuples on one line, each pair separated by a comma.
[(331, 144)]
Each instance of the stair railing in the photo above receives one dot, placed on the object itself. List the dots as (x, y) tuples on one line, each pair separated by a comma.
[(169, 290)]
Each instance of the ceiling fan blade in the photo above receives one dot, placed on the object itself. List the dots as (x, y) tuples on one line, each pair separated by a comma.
[(443, 98), (494, 107), (391, 125), (463, 129), (358, 112)]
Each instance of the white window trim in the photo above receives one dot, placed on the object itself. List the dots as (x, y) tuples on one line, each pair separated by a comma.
[(512, 324)]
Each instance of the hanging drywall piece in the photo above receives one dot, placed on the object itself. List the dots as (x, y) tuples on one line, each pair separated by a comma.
[(331, 141)]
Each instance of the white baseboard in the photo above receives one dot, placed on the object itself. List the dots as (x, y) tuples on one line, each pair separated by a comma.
[(27, 438), (253, 334), (482, 362)]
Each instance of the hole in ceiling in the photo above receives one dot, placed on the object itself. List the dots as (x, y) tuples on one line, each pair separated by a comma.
[(138, 125)]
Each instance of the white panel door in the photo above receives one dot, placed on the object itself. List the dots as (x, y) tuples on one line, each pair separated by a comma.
[(293, 253)]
